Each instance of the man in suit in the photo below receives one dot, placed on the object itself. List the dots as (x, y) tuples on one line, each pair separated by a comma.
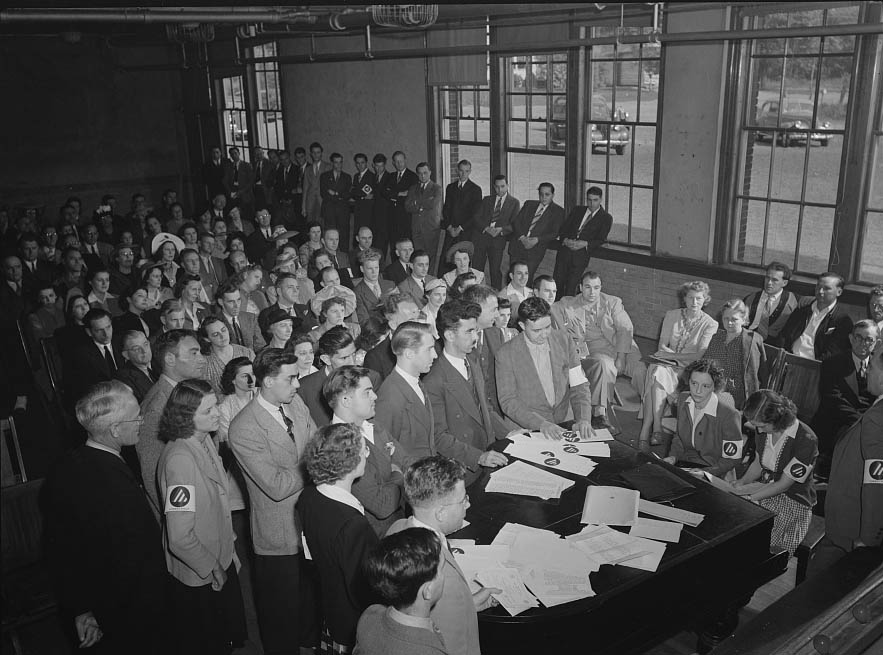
[(189, 272), (819, 330), (287, 295), (339, 259), (34, 270), (364, 241), (95, 360), (462, 201), (493, 222), (264, 180), (335, 187), (136, 372), (261, 241), (268, 438), (312, 202), (214, 172), (843, 391), (178, 355), (539, 375), (584, 231), (517, 289), (464, 429), (396, 193), (403, 408), (854, 502), (398, 308), (436, 491), (372, 289), (349, 392), (424, 204), (415, 283), (381, 211), (103, 544), (362, 193), (239, 177), (285, 184), (770, 308), (243, 325), (536, 227), (96, 254), (399, 270), (604, 336), (211, 269)]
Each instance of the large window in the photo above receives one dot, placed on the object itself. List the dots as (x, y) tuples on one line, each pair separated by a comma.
[(791, 140), (621, 133), (466, 132), (268, 99), (871, 266), (536, 122), (234, 123)]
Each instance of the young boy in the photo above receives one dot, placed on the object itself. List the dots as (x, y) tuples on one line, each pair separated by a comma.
[(405, 571)]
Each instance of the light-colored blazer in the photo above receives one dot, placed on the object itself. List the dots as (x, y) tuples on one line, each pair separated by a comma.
[(569, 314), (149, 446), (521, 392), (400, 412), (274, 472), (310, 184), (425, 205), (454, 614), (700, 337), (195, 540), (366, 300)]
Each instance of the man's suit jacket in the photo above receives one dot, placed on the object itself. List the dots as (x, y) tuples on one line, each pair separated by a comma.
[(104, 548), (425, 205), (484, 214), (595, 230), (410, 285), (366, 301), (257, 245), (149, 446), (840, 402), (832, 335), (342, 187), (264, 173), (137, 380), (285, 184), (301, 312), (395, 186), (521, 392), (310, 391), (363, 207), (44, 273), (274, 472), (380, 212), (408, 419), (546, 230), (770, 326), (214, 275), (104, 256), (251, 333), (88, 367), (379, 633), (310, 182), (460, 206), (484, 355), (214, 176), (396, 272), (463, 426), (454, 614), (854, 503), (244, 179), (380, 488), (569, 314), (381, 358)]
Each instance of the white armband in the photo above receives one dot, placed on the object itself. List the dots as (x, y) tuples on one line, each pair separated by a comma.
[(797, 470), (181, 498), (873, 471), (576, 376)]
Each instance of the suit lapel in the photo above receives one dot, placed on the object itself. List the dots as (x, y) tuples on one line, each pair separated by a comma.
[(457, 387), (528, 368)]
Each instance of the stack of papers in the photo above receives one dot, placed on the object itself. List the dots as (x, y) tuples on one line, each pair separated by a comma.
[(515, 597), (608, 546), (551, 454), (610, 506), (658, 530), (671, 513), (526, 480), (507, 534), (601, 434), (552, 568)]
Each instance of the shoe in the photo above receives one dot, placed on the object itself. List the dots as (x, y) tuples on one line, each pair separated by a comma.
[(658, 438)]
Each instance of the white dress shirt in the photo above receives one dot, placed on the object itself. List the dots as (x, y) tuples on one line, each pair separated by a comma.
[(804, 345), (458, 363), (413, 382)]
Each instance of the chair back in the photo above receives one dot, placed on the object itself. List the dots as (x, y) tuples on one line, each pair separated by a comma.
[(775, 361), (800, 383)]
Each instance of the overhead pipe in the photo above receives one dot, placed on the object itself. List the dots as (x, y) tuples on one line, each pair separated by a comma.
[(151, 16)]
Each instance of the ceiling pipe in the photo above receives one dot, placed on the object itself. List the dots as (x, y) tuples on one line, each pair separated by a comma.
[(153, 16)]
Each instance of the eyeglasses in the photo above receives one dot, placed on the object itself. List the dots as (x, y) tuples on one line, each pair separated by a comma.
[(140, 419), (866, 340), (464, 501)]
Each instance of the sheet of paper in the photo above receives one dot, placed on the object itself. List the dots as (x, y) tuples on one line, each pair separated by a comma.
[(650, 561), (532, 548), (515, 598), (601, 434), (716, 482), (460, 543), (587, 449), (658, 530), (507, 534), (554, 587), (552, 456), (526, 480), (671, 513), (610, 506), (606, 545)]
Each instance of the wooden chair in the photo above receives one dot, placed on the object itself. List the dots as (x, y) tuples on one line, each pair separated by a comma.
[(800, 382), (775, 361)]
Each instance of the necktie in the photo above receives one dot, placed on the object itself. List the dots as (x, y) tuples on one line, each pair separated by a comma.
[(108, 357), (536, 219), (289, 424), (583, 222), (468, 369), (236, 175), (335, 176), (497, 207), (237, 331), (399, 178), (863, 377)]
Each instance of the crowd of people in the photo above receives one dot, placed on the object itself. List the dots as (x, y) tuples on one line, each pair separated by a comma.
[(304, 379)]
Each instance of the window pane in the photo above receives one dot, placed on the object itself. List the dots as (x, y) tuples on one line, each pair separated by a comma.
[(823, 172), (749, 236), (536, 135), (467, 104), (467, 131), (644, 149), (517, 134), (815, 239), (787, 178), (620, 166), (833, 92), (597, 165), (517, 76), (526, 171), (757, 165), (559, 77), (618, 206), (484, 99), (642, 216), (538, 108), (781, 233), (875, 195), (446, 128), (872, 249), (483, 131), (517, 104), (603, 51), (539, 75), (602, 91)]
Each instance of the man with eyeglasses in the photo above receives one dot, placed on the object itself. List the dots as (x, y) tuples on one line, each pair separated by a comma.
[(843, 391), (103, 543), (436, 491), (769, 308), (136, 372)]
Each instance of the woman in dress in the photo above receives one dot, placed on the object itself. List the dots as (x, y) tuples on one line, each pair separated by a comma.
[(336, 531), (303, 348), (685, 335), (738, 351), (280, 326), (168, 254), (780, 477), (332, 313), (313, 242), (153, 280), (187, 290), (221, 351), (206, 598), (436, 293), (709, 429), (73, 332), (99, 292), (462, 260)]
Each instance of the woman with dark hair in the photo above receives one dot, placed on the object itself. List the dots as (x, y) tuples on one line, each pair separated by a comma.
[(157, 285), (190, 235), (336, 531), (221, 351), (166, 258), (303, 348), (461, 283), (436, 293), (235, 241), (738, 351), (780, 477), (684, 337), (332, 313), (198, 530), (73, 332), (187, 290), (135, 303), (709, 431), (313, 242)]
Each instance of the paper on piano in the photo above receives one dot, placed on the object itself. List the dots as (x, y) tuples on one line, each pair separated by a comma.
[(551, 455), (658, 530), (531, 548), (610, 506), (555, 587), (671, 513), (472, 560), (716, 482), (601, 434), (460, 543), (587, 449), (515, 598), (526, 480), (650, 561), (606, 545), (507, 534)]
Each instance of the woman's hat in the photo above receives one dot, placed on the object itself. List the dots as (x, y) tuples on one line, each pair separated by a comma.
[(334, 291), (164, 237), (467, 246)]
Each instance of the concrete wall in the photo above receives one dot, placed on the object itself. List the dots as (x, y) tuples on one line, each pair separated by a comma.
[(75, 123)]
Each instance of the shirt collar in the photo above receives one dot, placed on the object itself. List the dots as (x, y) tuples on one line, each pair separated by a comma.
[(822, 312), (420, 524), (410, 379), (100, 446), (775, 297), (367, 427), (858, 362), (413, 621), (340, 495), (710, 407), (538, 349), (266, 404)]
